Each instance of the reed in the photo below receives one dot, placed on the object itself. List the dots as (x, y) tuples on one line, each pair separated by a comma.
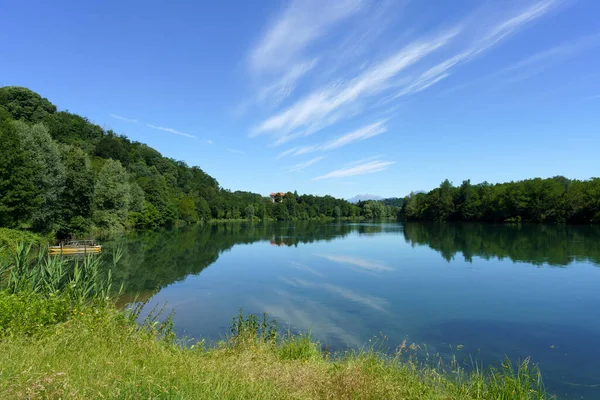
[(79, 279)]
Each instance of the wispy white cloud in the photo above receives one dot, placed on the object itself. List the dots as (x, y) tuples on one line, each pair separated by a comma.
[(306, 268), (241, 152), (287, 152), (363, 133), (364, 160), (369, 265), (277, 92), (403, 73), (373, 302), (135, 121), (304, 165), (209, 141), (171, 130), (494, 36), (280, 58), (318, 109), (299, 309), (540, 61), (362, 169), (292, 32), (534, 64)]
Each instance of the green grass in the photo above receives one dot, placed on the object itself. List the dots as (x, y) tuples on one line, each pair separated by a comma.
[(55, 345), (9, 238)]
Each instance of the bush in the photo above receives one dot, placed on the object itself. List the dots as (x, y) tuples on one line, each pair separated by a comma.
[(28, 313), (9, 238)]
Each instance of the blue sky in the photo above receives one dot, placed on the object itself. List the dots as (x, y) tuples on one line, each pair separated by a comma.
[(340, 97)]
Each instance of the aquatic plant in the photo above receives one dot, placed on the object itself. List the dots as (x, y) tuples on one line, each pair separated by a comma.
[(79, 279)]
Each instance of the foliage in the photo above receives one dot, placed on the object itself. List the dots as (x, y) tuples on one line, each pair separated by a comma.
[(79, 280), (68, 183), (76, 200), (49, 173), (19, 196), (26, 313), (10, 238), (111, 196), (555, 200), (24, 104), (37, 291)]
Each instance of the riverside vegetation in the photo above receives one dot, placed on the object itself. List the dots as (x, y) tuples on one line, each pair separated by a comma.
[(61, 336), (552, 200), (64, 175)]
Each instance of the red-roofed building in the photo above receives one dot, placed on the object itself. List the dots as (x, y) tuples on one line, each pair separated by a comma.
[(274, 194)]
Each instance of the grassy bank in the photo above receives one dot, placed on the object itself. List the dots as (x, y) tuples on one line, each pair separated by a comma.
[(60, 337), (9, 238)]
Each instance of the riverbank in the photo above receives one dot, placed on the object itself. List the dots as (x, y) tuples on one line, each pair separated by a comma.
[(97, 352), (9, 238), (61, 336)]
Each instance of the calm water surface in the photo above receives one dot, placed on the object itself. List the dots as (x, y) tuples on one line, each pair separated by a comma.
[(496, 289)]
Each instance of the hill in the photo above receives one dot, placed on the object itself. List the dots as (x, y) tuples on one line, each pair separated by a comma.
[(62, 174)]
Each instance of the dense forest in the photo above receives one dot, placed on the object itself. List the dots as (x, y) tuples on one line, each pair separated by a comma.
[(64, 175), (555, 200)]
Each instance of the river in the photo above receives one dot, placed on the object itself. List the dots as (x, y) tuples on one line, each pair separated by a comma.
[(490, 290)]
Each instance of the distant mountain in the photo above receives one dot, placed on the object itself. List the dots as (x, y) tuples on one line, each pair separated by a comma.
[(364, 197)]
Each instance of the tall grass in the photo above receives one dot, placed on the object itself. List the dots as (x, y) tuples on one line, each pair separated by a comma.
[(10, 238), (62, 337), (79, 279)]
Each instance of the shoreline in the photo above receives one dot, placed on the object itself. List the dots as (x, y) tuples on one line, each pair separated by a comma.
[(61, 336)]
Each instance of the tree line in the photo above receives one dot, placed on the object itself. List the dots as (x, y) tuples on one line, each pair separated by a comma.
[(555, 245), (554, 200), (62, 174)]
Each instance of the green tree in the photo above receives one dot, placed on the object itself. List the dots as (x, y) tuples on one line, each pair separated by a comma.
[(149, 218), (111, 196), (337, 212), (50, 174), (249, 211), (136, 197), (280, 212), (441, 202), (19, 196), (203, 209), (290, 203), (187, 209), (112, 146), (468, 202), (24, 104), (76, 198)]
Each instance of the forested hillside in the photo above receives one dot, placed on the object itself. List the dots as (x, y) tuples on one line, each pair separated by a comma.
[(553, 200), (62, 174)]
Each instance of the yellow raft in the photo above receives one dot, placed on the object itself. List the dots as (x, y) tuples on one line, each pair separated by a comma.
[(75, 247)]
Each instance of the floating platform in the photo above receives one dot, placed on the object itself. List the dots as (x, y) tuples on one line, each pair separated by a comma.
[(75, 247)]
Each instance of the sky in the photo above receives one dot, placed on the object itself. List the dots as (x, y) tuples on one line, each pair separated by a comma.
[(326, 97)]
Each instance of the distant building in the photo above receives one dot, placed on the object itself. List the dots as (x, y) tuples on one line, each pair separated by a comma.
[(274, 194)]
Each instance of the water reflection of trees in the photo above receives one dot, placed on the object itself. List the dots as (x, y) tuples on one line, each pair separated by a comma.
[(152, 260), (557, 245)]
